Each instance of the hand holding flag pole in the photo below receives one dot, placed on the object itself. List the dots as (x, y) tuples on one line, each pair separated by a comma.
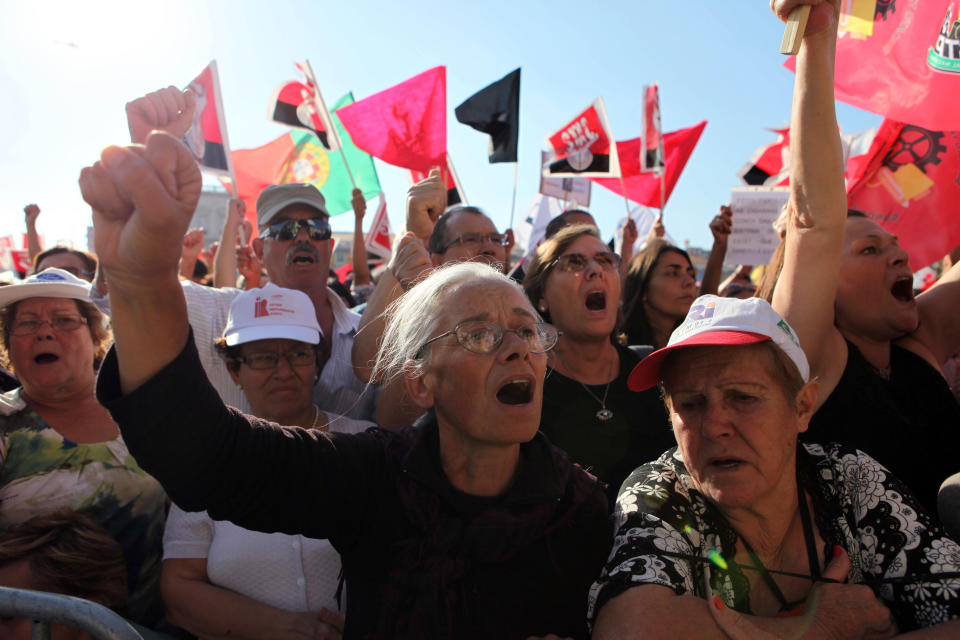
[(793, 31)]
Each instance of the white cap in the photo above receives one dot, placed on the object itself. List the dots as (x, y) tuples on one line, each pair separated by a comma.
[(272, 312), (715, 321), (49, 283)]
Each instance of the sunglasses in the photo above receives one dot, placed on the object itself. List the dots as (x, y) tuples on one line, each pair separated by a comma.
[(317, 229)]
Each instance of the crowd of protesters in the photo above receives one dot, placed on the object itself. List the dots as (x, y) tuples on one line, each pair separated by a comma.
[(228, 441)]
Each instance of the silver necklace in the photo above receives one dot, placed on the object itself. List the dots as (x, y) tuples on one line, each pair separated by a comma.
[(603, 414)]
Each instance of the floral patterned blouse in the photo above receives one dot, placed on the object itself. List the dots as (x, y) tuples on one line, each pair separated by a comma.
[(41, 471), (668, 533)]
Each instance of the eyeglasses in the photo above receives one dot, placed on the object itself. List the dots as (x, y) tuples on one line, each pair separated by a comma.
[(262, 361), (60, 324), (477, 239), (577, 262), (317, 229), (482, 337)]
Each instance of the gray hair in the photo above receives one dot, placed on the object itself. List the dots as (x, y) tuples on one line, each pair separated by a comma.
[(413, 318)]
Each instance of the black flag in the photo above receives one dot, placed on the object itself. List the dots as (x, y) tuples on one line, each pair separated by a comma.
[(495, 110)]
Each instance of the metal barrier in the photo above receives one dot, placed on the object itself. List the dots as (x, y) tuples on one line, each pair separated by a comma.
[(44, 608)]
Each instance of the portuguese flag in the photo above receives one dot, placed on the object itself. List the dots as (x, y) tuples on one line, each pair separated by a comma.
[(298, 156)]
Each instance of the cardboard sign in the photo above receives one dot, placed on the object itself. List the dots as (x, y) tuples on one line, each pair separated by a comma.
[(753, 239)]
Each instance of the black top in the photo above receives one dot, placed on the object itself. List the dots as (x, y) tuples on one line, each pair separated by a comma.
[(638, 432), (420, 559), (909, 424)]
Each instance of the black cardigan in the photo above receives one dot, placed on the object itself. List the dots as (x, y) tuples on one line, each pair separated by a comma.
[(420, 559)]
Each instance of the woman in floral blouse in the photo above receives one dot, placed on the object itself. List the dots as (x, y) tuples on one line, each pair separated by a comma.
[(772, 539)]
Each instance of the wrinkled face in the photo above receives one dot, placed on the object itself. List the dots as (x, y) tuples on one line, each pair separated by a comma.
[(486, 251), (51, 359), (300, 263), (68, 262), (583, 304), (875, 291), (488, 399), (672, 286), (734, 424), (282, 392)]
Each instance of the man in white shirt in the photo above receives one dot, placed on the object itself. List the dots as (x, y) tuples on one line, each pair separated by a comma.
[(294, 247)]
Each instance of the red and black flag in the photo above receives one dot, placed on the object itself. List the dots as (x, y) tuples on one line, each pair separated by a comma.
[(495, 110), (584, 147), (207, 136), (293, 104)]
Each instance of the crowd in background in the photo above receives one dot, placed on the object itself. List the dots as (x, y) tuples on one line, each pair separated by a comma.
[(584, 443)]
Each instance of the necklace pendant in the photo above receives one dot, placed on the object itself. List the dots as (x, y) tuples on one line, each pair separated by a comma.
[(604, 414)]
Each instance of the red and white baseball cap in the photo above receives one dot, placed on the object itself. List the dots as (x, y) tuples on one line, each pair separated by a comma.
[(272, 312), (715, 321)]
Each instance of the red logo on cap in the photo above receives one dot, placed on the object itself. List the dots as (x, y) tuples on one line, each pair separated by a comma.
[(260, 308)]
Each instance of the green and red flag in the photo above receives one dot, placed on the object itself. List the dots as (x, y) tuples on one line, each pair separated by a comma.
[(298, 156)]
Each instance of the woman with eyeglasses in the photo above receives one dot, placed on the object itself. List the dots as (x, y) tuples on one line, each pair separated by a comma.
[(588, 411), (469, 525), (218, 577), (59, 448)]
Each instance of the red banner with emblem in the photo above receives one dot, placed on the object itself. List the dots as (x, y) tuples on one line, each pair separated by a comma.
[(910, 185)]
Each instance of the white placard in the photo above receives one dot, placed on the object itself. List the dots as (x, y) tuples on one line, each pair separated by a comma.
[(753, 239)]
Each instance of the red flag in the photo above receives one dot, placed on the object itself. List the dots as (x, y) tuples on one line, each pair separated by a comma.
[(652, 158), (643, 187), (770, 164), (405, 125), (257, 169), (207, 137), (451, 181), (583, 147), (377, 241), (21, 260), (909, 185), (900, 60)]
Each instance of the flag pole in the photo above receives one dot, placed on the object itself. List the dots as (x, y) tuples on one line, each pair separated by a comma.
[(513, 203), (626, 201), (663, 191), (322, 108)]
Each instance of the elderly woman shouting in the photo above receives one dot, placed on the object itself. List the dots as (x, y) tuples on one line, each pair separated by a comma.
[(741, 522), (469, 526)]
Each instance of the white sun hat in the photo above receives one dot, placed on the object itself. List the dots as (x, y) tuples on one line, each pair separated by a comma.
[(49, 283)]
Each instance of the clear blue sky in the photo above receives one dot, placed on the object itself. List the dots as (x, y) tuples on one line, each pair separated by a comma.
[(68, 68)]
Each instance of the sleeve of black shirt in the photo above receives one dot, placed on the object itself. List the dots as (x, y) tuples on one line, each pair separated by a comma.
[(252, 472)]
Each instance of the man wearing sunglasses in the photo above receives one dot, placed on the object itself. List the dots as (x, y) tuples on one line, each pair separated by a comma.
[(293, 246)]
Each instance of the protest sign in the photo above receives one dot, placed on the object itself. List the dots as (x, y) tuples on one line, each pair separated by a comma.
[(753, 239)]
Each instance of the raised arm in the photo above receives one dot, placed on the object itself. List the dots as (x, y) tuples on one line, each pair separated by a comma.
[(168, 109), (939, 330), (142, 200), (720, 227), (817, 207), (426, 201), (361, 270), (225, 262), (30, 214)]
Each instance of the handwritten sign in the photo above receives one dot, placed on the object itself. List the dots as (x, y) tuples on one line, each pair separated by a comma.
[(753, 238)]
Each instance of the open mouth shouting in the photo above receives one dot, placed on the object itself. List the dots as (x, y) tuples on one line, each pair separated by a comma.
[(517, 391), (45, 358), (302, 254), (902, 289), (596, 300)]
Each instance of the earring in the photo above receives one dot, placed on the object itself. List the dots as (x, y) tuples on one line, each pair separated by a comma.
[(542, 307)]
